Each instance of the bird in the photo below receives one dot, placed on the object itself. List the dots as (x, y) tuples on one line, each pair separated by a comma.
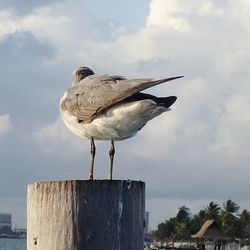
[(110, 107)]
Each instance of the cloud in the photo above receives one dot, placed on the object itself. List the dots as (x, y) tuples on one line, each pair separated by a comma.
[(23, 46), (25, 76), (56, 139), (180, 16), (23, 8), (194, 153), (5, 125), (169, 14), (235, 120)]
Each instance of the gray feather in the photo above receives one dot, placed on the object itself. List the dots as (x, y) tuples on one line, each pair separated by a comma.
[(93, 94)]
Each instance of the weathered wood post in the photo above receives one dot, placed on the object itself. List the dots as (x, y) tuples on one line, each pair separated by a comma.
[(86, 215)]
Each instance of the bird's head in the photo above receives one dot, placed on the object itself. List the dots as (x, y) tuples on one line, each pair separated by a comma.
[(80, 73)]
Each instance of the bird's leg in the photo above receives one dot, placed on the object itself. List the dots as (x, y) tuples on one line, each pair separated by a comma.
[(111, 159), (92, 151)]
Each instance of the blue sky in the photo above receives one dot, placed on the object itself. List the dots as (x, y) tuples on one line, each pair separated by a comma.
[(130, 14), (196, 153)]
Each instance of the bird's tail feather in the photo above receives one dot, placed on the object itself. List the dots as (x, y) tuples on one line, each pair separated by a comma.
[(166, 101)]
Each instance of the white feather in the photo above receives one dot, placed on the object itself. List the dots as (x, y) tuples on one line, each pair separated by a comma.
[(119, 122)]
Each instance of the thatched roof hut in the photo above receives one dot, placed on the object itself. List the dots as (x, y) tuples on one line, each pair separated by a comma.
[(211, 231)]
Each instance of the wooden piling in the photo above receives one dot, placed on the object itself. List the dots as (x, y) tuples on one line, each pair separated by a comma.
[(86, 215)]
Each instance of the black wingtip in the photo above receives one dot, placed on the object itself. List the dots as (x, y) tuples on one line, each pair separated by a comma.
[(175, 77), (166, 101)]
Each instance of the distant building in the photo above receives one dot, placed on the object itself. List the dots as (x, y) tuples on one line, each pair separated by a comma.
[(5, 220), (146, 222), (148, 237)]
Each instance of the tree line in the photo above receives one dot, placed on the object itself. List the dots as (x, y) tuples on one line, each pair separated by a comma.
[(233, 223)]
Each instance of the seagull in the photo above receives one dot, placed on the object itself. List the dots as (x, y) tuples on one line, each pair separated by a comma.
[(110, 107)]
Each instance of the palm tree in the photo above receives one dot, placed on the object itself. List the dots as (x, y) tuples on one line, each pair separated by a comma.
[(183, 214), (244, 217), (212, 211), (202, 215), (197, 221), (230, 222), (166, 230), (182, 231)]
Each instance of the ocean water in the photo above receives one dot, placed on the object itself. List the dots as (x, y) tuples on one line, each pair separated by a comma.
[(12, 244)]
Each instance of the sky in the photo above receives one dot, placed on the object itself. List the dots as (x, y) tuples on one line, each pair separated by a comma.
[(196, 153)]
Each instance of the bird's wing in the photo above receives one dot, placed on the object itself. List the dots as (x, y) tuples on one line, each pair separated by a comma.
[(94, 94)]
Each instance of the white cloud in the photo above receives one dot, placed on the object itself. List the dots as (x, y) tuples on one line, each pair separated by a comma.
[(233, 128), (5, 125), (169, 15), (239, 52), (204, 137), (56, 139)]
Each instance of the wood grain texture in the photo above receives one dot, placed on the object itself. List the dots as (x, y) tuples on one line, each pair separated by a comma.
[(89, 215)]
